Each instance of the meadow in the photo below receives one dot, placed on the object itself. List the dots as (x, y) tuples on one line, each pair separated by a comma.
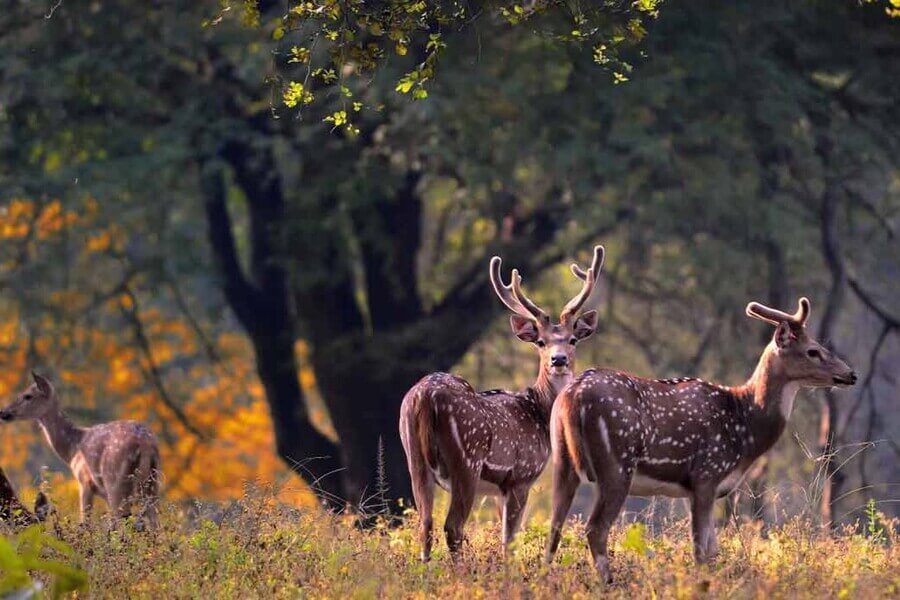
[(258, 547)]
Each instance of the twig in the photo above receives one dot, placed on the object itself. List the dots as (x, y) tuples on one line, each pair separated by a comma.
[(53, 9), (152, 371), (181, 303)]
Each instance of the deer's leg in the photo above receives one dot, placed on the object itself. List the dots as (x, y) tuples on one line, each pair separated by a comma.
[(712, 544), (565, 483), (423, 495), (702, 524), (119, 499), (610, 492), (86, 499), (462, 497), (513, 511), (149, 498), (422, 485)]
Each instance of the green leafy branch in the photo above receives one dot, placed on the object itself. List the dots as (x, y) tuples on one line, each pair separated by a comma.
[(356, 37), (25, 553)]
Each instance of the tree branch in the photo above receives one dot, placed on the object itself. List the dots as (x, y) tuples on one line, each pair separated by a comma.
[(870, 375), (866, 298), (152, 371)]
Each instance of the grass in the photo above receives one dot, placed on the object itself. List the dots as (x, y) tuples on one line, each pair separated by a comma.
[(259, 548)]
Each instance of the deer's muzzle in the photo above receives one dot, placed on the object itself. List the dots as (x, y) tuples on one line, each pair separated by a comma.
[(848, 379)]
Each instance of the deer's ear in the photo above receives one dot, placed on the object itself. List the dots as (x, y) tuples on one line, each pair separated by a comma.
[(585, 325), (784, 337), (524, 328), (43, 384)]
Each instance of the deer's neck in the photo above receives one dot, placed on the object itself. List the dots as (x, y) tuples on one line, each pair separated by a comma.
[(549, 386), (771, 396), (62, 435)]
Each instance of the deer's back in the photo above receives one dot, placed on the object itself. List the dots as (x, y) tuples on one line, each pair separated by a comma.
[(504, 436), (112, 448), (670, 431)]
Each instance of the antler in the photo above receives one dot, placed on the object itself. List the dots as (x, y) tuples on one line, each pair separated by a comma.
[(773, 316), (589, 278), (511, 295)]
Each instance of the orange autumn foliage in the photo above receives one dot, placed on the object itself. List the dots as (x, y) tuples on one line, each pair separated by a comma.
[(103, 373)]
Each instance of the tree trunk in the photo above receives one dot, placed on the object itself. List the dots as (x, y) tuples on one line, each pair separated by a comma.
[(828, 426), (262, 308)]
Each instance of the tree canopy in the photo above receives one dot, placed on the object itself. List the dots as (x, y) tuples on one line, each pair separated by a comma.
[(185, 248)]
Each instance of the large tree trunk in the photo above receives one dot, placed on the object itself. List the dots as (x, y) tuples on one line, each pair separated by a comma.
[(262, 308)]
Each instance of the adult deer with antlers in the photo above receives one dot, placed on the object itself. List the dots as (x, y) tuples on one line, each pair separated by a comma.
[(494, 442), (119, 461), (679, 437)]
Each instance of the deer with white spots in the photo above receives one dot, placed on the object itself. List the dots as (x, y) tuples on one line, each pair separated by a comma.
[(679, 437), (118, 461), (494, 442)]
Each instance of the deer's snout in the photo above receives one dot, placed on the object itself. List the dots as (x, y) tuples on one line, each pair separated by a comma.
[(5, 415), (848, 379), (559, 360)]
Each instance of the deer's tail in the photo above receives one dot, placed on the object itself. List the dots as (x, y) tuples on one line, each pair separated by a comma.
[(418, 409), (572, 425), (417, 432)]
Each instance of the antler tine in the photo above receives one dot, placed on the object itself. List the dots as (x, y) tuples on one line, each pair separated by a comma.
[(589, 278), (774, 316), (511, 294), (535, 310), (802, 313)]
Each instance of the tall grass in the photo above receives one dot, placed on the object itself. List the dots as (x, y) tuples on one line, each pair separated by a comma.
[(259, 548)]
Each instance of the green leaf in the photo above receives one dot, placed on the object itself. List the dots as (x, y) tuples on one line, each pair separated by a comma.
[(635, 540)]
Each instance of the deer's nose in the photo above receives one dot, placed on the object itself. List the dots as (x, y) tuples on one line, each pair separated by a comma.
[(559, 360), (848, 379), (5, 415)]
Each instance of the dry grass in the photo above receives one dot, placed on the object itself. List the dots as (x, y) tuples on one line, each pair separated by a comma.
[(261, 549)]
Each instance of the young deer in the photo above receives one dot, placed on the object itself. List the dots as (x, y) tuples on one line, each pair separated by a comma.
[(119, 461), (494, 442), (679, 437)]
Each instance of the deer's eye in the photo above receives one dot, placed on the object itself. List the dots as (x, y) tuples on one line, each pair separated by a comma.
[(28, 396), (813, 353), (541, 343), (573, 341)]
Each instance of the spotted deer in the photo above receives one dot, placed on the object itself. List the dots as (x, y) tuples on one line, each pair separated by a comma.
[(679, 437), (494, 442), (118, 461)]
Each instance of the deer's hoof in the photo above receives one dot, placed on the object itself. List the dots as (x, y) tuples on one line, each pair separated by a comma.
[(603, 570)]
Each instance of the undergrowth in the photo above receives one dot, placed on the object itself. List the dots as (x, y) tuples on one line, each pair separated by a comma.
[(258, 548)]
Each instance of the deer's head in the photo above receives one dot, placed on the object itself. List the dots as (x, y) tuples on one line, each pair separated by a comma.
[(555, 342), (797, 355), (37, 400)]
